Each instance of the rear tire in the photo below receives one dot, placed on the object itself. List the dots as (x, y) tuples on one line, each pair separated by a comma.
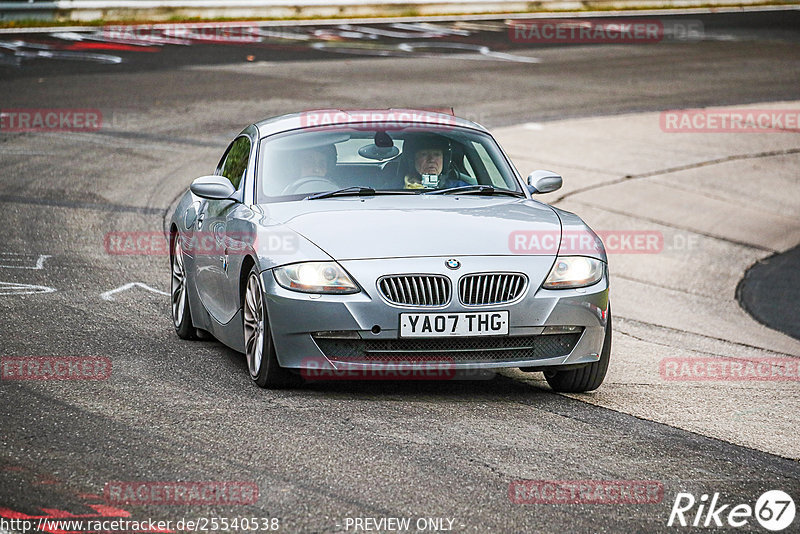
[(585, 378), (262, 360), (179, 292)]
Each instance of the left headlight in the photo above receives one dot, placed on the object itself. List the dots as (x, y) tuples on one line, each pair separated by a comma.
[(574, 271), (315, 277)]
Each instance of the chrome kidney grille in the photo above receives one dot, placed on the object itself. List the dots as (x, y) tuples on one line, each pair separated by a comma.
[(491, 288), (416, 290)]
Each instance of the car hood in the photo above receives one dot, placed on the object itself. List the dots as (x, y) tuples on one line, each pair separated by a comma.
[(393, 226)]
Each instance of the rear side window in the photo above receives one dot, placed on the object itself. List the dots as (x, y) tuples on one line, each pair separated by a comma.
[(234, 164)]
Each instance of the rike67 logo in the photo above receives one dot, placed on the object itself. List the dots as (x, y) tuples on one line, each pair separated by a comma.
[(774, 510)]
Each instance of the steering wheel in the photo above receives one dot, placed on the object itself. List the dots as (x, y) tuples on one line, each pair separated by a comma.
[(321, 184)]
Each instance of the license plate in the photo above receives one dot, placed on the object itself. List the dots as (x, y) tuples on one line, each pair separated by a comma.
[(454, 324)]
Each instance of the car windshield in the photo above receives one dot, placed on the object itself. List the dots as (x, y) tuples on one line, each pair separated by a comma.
[(299, 164)]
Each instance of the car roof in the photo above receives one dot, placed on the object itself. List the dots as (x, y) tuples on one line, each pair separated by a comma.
[(392, 118)]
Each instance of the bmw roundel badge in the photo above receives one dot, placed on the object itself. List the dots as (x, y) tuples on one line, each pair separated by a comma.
[(453, 264)]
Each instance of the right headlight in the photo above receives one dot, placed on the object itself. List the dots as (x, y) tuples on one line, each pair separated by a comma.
[(574, 271), (315, 277)]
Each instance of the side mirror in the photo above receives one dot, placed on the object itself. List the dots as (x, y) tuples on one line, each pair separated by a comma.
[(544, 182), (212, 187)]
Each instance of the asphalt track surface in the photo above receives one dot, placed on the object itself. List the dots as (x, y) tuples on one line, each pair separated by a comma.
[(186, 411)]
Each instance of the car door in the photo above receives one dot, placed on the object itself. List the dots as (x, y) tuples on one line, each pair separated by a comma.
[(212, 254), (240, 228)]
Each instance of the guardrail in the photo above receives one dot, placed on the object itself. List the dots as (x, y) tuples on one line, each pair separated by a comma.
[(85, 10)]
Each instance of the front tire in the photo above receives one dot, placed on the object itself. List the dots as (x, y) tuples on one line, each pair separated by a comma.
[(262, 360), (588, 377), (179, 294)]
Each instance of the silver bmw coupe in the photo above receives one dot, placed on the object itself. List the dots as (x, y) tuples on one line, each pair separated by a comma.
[(334, 241)]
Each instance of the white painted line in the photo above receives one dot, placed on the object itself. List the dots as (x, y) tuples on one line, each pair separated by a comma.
[(68, 36), (425, 27), (108, 294), (11, 288), (415, 34), (482, 50), (14, 260), (282, 35)]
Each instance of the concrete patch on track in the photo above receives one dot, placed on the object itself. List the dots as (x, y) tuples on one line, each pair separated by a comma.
[(720, 200)]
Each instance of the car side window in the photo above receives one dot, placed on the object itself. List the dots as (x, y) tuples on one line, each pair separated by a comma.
[(234, 164), (494, 174)]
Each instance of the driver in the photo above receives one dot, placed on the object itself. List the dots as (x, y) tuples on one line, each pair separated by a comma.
[(317, 162), (429, 166), (309, 170)]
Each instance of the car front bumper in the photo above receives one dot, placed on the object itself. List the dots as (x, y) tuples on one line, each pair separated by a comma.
[(361, 331)]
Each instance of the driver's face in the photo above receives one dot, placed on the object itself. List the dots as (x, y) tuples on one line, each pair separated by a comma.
[(313, 163), (428, 161)]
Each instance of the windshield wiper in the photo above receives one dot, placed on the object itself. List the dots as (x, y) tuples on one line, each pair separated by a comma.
[(482, 189), (354, 190), (359, 190)]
